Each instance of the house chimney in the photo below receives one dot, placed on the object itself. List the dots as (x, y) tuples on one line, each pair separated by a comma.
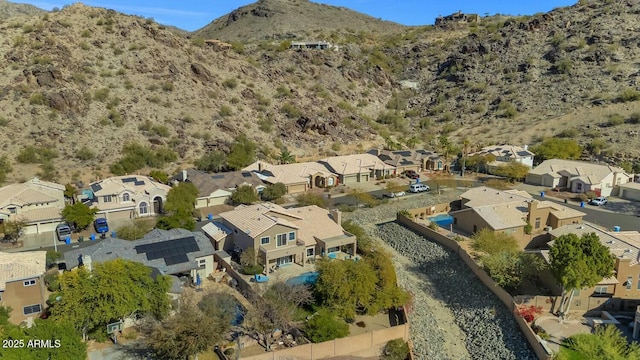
[(533, 206), (337, 216), (260, 166), (86, 261), (526, 147), (184, 175)]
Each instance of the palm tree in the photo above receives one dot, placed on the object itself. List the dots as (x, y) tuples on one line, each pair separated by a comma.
[(286, 157)]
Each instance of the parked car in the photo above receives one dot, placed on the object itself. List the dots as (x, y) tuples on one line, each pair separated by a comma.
[(101, 226), (417, 188), (600, 200), (412, 174), (63, 231), (394, 194)]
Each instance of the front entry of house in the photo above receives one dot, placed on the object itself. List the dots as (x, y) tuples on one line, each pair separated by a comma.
[(285, 260)]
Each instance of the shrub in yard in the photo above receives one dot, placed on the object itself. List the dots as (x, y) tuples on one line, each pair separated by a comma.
[(396, 349), (325, 326)]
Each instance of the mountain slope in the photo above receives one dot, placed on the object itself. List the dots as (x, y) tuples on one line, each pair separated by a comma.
[(10, 9), (281, 19)]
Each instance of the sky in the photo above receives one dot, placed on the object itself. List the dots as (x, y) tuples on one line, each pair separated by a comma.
[(193, 14)]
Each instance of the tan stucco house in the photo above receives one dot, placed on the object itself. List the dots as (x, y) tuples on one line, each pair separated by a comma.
[(357, 168), (416, 160), (578, 176), (216, 189), (504, 154), (296, 177), (22, 286), (630, 191), (285, 236), (37, 202), (509, 212), (126, 197)]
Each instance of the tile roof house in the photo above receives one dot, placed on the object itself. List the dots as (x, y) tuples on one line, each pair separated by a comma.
[(630, 191), (578, 176), (296, 177), (504, 154), (126, 197), (169, 252), (284, 236), (357, 168), (21, 284), (416, 160), (509, 212), (216, 189), (37, 202), (625, 247)]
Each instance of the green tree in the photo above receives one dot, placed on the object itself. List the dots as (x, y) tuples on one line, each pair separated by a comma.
[(578, 263), (135, 231), (249, 262), (556, 148), (5, 168), (53, 256), (607, 342), (70, 344), (286, 157), (180, 207), (244, 194), (479, 162), (388, 294), (510, 268), (159, 176), (325, 326), (243, 153), (513, 170), (364, 242), (493, 242), (273, 191), (309, 198), (79, 214), (113, 290), (12, 229), (70, 192), (214, 161), (396, 349)]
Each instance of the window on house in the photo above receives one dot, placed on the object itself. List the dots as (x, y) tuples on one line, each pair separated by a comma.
[(537, 223), (30, 282), (13, 210), (106, 198), (202, 262), (629, 282), (292, 235), (31, 309), (310, 252), (599, 290), (264, 240), (126, 197), (578, 186), (281, 239), (143, 208)]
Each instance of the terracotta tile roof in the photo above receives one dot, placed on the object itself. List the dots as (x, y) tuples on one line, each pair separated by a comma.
[(216, 230), (355, 164), (560, 211), (255, 219), (589, 173), (507, 151), (483, 195), (22, 265), (134, 184), (317, 223), (33, 191), (503, 216), (288, 174), (41, 214)]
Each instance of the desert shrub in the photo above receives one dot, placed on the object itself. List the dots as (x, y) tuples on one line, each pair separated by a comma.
[(282, 91), (230, 83), (615, 120), (136, 157), (308, 198), (629, 94), (85, 153), (325, 326), (36, 99), (291, 111), (266, 124), (101, 94), (225, 111), (396, 349), (274, 191), (568, 133), (135, 231)]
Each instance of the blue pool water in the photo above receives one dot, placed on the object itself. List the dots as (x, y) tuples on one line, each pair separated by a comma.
[(442, 219), (308, 278)]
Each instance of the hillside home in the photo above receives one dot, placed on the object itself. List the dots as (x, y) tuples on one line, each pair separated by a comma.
[(457, 17), (296, 177), (504, 154), (37, 202), (316, 44), (167, 252), (216, 189), (126, 197), (285, 236), (22, 286), (630, 191), (416, 160), (357, 168), (622, 290), (509, 212), (578, 176)]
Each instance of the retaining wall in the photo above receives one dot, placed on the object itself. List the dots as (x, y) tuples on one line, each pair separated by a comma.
[(532, 338)]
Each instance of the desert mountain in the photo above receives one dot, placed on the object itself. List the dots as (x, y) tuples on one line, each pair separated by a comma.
[(290, 19), (84, 82), (10, 9)]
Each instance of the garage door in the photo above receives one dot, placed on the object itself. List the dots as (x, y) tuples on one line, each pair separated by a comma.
[(117, 215), (630, 194), (220, 200)]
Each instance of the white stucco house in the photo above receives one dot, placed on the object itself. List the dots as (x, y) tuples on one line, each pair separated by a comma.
[(506, 153)]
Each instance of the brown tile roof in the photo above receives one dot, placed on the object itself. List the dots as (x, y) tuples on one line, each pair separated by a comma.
[(587, 172), (355, 164), (483, 195), (22, 265), (209, 183), (316, 222), (33, 191), (288, 174), (255, 219)]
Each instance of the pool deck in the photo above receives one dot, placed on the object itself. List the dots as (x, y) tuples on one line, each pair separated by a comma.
[(284, 273)]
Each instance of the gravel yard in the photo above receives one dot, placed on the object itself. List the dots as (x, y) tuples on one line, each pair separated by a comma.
[(454, 315)]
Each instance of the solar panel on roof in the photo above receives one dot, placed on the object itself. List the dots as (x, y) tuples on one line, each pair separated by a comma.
[(128, 180), (138, 183), (217, 176), (403, 153), (96, 188), (176, 259), (169, 248), (246, 174)]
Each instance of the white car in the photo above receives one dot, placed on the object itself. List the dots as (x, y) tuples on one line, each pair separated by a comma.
[(600, 200), (394, 194)]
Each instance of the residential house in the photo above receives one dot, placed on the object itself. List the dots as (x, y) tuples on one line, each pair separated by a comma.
[(457, 17), (630, 191), (416, 160), (167, 252), (620, 291), (509, 212), (315, 44), (126, 197), (357, 168), (216, 189), (578, 176), (21, 284), (285, 236), (504, 154), (296, 177), (37, 202)]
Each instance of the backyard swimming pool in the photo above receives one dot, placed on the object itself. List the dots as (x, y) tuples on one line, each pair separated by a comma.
[(308, 278), (442, 219)]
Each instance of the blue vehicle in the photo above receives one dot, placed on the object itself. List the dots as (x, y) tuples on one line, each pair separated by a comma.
[(101, 226)]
